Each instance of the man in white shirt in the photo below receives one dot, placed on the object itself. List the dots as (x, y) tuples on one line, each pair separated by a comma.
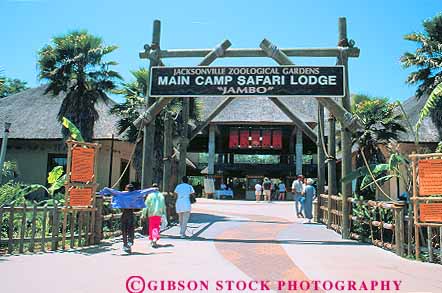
[(297, 189), (183, 192), (258, 191)]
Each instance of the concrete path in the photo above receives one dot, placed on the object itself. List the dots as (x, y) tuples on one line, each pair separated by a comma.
[(235, 246)]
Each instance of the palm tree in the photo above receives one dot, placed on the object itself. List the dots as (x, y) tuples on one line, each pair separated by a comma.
[(74, 64), (135, 93), (427, 59), (10, 86), (382, 125)]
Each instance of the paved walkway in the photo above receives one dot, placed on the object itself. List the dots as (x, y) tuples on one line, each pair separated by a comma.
[(243, 244)]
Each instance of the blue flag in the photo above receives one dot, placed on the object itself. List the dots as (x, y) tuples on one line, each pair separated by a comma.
[(127, 199)]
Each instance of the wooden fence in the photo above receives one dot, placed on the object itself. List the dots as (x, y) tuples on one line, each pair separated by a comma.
[(39, 228), (388, 225)]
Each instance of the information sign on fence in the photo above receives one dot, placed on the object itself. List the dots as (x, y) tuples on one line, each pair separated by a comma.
[(80, 197), (430, 177), (323, 81), (83, 160), (430, 212)]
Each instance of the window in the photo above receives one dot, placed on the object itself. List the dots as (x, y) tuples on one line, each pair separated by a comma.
[(55, 160)]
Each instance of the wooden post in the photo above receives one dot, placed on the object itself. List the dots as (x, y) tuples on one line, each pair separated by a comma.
[(55, 222), (299, 151), (22, 228), (331, 164), (398, 227), (149, 129), (429, 243), (43, 228), (320, 150), (320, 155), (211, 147), (11, 230), (345, 137), (72, 229), (98, 230), (167, 153), (184, 138), (415, 214), (1, 220)]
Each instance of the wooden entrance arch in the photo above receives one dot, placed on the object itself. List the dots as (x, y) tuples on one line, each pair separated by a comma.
[(338, 111)]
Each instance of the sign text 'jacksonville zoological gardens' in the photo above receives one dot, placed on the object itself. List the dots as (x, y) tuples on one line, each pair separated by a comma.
[(324, 81)]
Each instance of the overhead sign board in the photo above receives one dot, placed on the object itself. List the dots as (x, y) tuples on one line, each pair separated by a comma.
[(320, 81)]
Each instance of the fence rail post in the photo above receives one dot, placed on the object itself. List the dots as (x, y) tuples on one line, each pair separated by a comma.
[(98, 225), (398, 210)]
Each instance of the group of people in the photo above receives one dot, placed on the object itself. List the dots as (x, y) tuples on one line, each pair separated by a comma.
[(267, 188), (153, 210), (305, 193), (302, 188)]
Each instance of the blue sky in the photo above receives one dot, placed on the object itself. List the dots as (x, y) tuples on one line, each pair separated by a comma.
[(377, 27)]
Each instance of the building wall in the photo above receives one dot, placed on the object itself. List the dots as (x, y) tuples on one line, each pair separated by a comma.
[(31, 157)]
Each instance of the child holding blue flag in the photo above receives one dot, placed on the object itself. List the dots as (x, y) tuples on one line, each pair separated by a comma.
[(128, 201)]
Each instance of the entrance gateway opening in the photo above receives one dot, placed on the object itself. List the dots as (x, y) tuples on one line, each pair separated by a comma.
[(258, 121)]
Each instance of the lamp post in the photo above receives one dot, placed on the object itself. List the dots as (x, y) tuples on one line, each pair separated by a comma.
[(3, 150)]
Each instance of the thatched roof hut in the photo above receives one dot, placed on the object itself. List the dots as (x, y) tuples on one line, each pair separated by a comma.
[(33, 115)]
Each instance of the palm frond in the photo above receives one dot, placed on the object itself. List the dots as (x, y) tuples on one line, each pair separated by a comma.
[(430, 105)]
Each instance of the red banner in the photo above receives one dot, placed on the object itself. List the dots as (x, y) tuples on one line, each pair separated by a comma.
[(244, 138), (277, 139), (233, 138), (266, 139), (256, 142)]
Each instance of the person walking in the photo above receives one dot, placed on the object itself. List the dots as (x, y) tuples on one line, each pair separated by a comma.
[(310, 195), (282, 190), (297, 189), (183, 191), (128, 201), (127, 224), (267, 189), (154, 211), (258, 191)]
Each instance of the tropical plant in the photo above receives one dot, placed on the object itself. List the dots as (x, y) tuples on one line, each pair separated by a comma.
[(381, 124), (73, 64), (427, 59), (74, 132), (10, 86), (135, 93)]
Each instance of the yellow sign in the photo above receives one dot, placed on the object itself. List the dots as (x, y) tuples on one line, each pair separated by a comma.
[(430, 177)]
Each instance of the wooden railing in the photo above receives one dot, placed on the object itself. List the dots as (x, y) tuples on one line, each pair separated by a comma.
[(38, 228), (388, 225)]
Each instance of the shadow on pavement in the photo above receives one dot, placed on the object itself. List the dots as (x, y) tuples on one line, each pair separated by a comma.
[(272, 241)]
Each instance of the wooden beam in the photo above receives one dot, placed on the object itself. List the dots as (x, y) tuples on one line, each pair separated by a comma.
[(149, 130), (184, 141), (347, 119), (211, 116), (167, 153), (156, 108), (299, 123), (345, 138), (252, 52), (338, 111)]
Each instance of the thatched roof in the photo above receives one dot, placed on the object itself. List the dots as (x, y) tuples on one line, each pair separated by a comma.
[(428, 132), (260, 110), (33, 115)]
